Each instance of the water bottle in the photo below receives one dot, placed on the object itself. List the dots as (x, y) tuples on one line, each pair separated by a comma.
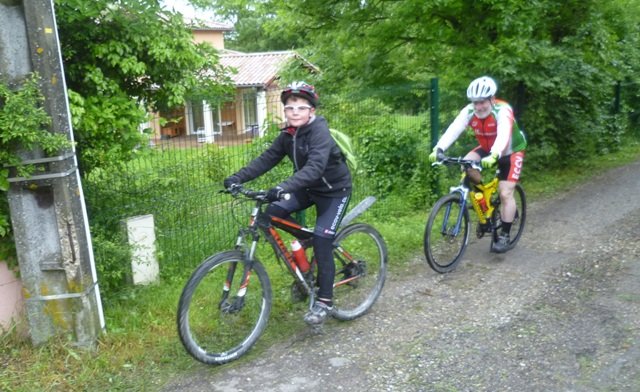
[(481, 201), (299, 256)]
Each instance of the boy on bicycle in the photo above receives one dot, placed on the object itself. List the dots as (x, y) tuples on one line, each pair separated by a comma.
[(500, 141), (321, 178)]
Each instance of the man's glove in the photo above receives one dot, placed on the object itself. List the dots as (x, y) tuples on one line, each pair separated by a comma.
[(231, 180), (435, 154), (274, 194), (489, 161)]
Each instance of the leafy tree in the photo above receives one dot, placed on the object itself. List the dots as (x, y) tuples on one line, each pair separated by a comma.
[(121, 59), (559, 60), (255, 25)]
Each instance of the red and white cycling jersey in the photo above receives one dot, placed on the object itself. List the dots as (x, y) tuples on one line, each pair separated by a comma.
[(497, 133)]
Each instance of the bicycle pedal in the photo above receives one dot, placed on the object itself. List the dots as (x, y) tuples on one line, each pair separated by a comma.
[(482, 229), (298, 292)]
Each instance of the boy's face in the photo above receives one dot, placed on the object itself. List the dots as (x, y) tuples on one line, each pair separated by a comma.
[(298, 111)]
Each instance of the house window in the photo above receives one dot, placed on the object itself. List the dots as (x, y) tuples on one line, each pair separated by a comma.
[(197, 114), (215, 116), (250, 109)]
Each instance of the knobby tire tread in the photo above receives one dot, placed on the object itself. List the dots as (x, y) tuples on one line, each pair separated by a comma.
[(206, 267)]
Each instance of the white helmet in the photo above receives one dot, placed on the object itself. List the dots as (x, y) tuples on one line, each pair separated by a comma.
[(482, 88)]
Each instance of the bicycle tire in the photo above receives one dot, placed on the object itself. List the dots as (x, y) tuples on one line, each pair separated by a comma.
[(358, 286), (517, 227), (215, 331), (442, 248)]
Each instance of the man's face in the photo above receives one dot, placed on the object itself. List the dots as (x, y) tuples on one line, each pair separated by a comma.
[(482, 108), (298, 111)]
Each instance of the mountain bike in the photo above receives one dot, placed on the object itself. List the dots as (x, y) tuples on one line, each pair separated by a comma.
[(447, 231), (225, 304)]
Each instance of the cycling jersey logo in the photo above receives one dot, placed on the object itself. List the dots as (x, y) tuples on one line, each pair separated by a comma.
[(517, 166)]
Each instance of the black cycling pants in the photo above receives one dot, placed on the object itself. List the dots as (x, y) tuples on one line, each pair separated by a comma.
[(329, 213)]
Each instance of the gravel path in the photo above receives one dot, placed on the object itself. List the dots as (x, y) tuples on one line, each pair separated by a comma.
[(561, 312)]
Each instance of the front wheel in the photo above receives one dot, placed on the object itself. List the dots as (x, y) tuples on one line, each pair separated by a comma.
[(447, 233), (360, 255), (517, 227), (224, 308)]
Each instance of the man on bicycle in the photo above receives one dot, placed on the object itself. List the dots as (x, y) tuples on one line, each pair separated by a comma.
[(500, 141), (321, 178)]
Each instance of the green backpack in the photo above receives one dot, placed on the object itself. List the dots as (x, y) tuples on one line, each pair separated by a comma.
[(344, 142)]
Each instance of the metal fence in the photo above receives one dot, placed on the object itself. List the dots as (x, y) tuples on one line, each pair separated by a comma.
[(178, 177), (178, 180)]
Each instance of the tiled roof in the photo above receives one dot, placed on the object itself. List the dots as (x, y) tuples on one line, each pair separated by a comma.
[(259, 69), (204, 24)]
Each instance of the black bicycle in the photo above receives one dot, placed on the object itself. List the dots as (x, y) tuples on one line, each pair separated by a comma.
[(447, 232), (225, 304)]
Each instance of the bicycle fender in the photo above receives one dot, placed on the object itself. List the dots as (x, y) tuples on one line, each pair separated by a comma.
[(358, 210)]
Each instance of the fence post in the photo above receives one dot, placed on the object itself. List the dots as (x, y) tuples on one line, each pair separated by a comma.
[(616, 102), (435, 114)]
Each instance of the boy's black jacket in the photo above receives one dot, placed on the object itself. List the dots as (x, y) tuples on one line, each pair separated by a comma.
[(319, 165)]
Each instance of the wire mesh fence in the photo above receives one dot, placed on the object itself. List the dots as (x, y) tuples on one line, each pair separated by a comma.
[(178, 177)]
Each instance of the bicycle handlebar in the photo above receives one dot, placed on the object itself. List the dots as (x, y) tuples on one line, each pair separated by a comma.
[(260, 195), (444, 160)]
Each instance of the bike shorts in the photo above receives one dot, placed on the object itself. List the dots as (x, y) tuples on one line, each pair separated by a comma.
[(509, 166), (329, 210)]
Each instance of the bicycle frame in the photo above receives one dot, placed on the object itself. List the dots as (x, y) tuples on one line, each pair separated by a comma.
[(487, 189), (260, 222)]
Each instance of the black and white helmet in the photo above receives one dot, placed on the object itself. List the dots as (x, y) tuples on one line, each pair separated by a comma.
[(300, 89), (482, 88)]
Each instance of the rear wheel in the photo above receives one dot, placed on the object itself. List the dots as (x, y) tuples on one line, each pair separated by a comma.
[(447, 233), (360, 256), (518, 222), (224, 308)]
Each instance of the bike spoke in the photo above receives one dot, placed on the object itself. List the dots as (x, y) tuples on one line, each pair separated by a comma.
[(360, 271), (446, 234), (218, 325)]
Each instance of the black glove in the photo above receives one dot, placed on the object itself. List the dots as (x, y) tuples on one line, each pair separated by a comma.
[(231, 180), (274, 194)]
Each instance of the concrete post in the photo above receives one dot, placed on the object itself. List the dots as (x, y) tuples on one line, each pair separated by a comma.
[(47, 210)]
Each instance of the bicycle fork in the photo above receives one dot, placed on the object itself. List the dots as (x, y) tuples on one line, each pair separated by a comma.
[(236, 303), (455, 230)]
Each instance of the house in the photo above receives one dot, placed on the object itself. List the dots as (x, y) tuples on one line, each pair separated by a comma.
[(257, 94)]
